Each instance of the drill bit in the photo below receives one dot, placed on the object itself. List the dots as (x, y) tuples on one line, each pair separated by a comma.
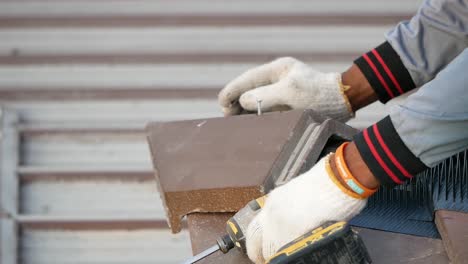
[(202, 255)]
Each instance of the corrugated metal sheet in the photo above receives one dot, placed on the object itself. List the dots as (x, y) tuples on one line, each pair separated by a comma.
[(54, 8), (84, 77), (200, 40), (68, 77), (118, 246)]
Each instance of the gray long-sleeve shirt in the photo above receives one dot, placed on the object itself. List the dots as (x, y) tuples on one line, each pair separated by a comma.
[(432, 38), (430, 52)]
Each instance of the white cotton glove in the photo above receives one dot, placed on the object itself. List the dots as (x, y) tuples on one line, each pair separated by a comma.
[(297, 207), (286, 83)]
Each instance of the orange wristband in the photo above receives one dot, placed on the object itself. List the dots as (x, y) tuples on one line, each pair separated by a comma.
[(332, 176), (348, 177)]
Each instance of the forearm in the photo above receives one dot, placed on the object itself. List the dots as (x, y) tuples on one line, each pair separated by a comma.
[(360, 94), (358, 90), (368, 80), (416, 50), (429, 127), (357, 167)]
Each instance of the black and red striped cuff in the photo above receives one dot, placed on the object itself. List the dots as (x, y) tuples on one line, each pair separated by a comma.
[(385, 72), (386, 155)]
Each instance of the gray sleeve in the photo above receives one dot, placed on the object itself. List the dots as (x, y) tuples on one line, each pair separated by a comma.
[(432, 38), (433, 122), (430, 126)]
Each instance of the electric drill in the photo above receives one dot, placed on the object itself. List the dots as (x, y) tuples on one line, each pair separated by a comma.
[(331, 243)]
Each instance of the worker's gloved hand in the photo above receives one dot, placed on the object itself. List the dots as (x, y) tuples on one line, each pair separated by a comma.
[(297, 207), (286, 83)]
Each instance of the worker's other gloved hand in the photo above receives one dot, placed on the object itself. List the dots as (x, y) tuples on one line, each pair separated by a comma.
[(297, 207), (286, 83)]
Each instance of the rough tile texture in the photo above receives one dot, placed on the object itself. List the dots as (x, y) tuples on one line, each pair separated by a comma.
[(212, 200), (453, 228), (220, 164), (216, 164), (204, 229)]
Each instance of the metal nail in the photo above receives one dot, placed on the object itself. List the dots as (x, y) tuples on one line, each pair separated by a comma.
[(259, 107)]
